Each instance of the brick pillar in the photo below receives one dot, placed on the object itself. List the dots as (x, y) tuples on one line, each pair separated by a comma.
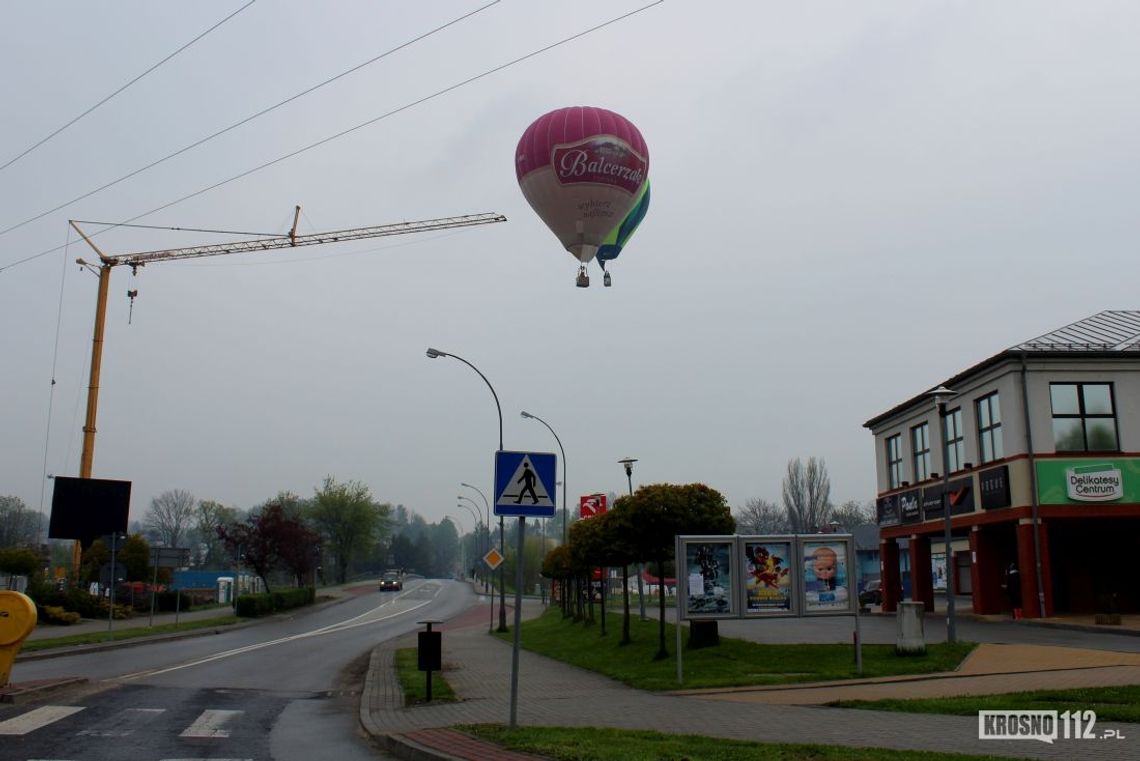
[(988, 572), (1028, 570), (921, 581), (889, 574)]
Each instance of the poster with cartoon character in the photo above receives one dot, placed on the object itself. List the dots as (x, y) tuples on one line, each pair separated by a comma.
[(827, 575), (769, 573), (708, 574)]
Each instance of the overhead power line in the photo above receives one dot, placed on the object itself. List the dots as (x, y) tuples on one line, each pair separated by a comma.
[(26, 151), (246, 120), (350, 130)]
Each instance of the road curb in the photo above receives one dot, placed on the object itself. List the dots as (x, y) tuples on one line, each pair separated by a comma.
[(20, 691)]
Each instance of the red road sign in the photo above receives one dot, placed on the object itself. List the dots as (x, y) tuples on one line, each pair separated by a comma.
[(591, 505)]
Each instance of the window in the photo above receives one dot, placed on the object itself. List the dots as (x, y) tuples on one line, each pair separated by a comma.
[(894, 461), (955, 444), (989, 428), (920, 445), (1084, 417)]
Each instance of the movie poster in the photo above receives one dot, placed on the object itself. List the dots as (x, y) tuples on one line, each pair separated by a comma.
[(768, 576), (827, 576), (709, 582)]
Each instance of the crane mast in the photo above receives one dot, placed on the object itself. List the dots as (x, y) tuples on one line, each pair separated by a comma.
[(268, 243)]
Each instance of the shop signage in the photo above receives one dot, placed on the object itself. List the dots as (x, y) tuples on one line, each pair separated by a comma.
[(910, 506), (959, 495), (994, 486), (887, 510), (1063, 482)]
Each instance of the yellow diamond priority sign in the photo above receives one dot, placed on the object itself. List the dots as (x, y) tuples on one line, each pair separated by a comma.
[(493, 559)]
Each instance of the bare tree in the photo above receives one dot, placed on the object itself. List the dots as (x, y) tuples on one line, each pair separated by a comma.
[(19, 526), (208, 517), (760, 516), (171, 516), (807, 495), (853, 513)]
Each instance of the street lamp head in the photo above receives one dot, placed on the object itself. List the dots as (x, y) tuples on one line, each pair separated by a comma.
[(526, 414), (433, 353), (941, 395), (628, 463)]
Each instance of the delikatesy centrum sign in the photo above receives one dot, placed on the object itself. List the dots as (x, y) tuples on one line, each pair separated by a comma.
[(1063, 482)]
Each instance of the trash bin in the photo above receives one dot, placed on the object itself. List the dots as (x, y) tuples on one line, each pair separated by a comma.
[(429, 654)]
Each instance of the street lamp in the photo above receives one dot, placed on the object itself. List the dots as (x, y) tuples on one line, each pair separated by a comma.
[(434, 354), (478, 522), (502, 594), (529, 416), (941, 395), (628, 463)]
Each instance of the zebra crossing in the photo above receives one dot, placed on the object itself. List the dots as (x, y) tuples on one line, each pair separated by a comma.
[(209, 724)]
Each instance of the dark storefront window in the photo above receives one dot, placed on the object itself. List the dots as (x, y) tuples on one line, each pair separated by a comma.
[(989, 428), (955, 444), (894, 461), (1084, 417), (920, 445)]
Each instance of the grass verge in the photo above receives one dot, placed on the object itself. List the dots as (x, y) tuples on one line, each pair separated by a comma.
[(1110, 703), (733, 663), (117, 635), (579, 744), (414, 682)]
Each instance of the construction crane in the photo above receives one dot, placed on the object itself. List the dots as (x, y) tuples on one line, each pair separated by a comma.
[(268, 243)]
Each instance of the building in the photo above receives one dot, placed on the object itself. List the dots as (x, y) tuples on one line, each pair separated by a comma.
[(1042, 445)]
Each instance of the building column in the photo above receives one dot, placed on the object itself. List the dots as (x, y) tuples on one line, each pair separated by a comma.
[(1028, 571), (889, 579), (921, 580), (986, 573)]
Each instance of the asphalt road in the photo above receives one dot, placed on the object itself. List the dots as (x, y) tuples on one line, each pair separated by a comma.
[(285, 689)]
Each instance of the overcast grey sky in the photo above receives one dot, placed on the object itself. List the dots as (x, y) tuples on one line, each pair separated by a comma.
[(851, 202)]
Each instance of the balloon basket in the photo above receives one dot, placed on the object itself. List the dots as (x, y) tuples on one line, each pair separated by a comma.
[(583, 280)]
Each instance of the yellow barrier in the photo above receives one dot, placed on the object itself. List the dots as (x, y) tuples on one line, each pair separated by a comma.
[(17, 620)]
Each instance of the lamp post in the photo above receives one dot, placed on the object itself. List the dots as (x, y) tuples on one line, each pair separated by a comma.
[(529, 416), (628, 463), (434, 354), (941, 395), (502, 597), (478, 522)]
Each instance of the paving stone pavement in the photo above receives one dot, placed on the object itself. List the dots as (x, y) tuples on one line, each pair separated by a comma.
[(551, 693)]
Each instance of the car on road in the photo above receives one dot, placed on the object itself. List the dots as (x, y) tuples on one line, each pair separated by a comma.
[(872, 594), (390, 582)]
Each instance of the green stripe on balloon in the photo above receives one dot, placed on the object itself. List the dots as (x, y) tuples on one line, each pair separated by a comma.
[(620, 235)]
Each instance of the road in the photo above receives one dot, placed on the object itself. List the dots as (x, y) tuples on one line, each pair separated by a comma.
[(285, 689)]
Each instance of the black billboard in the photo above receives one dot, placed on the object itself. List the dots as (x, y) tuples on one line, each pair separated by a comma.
[(910, 506), (87, 508), (959, 493), (994, 486)]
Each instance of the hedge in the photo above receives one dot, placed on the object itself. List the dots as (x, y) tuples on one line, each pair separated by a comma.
[(252, 606)]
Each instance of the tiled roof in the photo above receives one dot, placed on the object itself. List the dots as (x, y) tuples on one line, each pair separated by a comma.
[(1117, 330)]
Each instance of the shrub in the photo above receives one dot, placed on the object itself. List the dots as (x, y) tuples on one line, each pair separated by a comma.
[(53, 614), (251, 606)]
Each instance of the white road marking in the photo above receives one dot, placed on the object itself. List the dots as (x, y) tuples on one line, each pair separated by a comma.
[(33, 720), (123, 723), (210, 724), (350, 623)]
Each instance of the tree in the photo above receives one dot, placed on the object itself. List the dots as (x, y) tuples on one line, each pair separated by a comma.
[(807, 495), (852, 514), (660, 512), (19, 526), (348, 518), (208, 516), (269, 539), (760, 516), (171, 516)]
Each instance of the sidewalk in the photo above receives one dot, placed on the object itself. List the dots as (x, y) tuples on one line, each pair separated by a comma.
[(551, 693)]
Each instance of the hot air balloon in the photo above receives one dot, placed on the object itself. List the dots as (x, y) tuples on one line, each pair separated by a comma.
[(620, 235), (582, 169)]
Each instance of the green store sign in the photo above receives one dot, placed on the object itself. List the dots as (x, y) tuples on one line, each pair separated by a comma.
[(1077, 482)]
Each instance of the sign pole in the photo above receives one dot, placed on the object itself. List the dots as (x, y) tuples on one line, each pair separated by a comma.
[(518, 621), (154, 555)]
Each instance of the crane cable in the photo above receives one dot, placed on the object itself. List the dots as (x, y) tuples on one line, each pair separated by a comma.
[(54, 365)]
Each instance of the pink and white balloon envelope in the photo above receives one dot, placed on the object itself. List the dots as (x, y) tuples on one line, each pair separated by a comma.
[(581, 169)]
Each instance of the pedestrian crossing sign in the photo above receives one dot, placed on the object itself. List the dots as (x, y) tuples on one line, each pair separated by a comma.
[(525, 484)]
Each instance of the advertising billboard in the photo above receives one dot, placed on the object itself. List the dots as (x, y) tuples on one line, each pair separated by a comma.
[(706, 576), (828, 574), (769, 575)]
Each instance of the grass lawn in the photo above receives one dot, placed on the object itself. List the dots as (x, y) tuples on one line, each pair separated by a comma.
[(579, 744), (1110, 703), (731, 664), (124, 634), (414, 682)]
